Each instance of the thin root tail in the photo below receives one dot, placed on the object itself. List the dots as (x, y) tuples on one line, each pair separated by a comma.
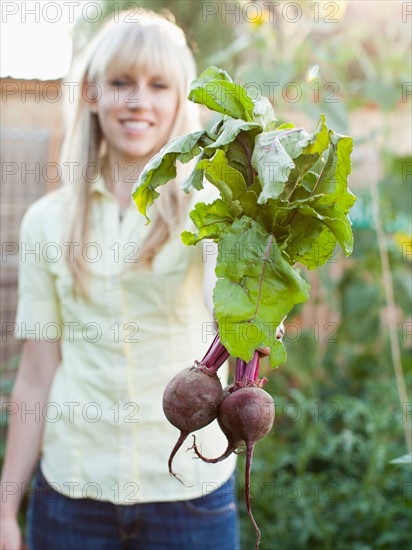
[(179, 443), (249, 455), (229, 450)]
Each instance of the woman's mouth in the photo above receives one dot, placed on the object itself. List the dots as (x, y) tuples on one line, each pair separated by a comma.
[(136, 124)]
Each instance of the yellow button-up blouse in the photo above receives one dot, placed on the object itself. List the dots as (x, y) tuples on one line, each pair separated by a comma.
[(105, 435)]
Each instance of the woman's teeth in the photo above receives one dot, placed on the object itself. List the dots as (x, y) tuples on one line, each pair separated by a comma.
[(134, 125)]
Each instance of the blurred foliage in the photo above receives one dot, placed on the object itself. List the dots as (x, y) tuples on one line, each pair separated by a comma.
[(322, 56)]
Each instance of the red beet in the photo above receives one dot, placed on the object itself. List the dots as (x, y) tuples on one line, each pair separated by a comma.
[(245, 416), (247, 413), (191, 401)]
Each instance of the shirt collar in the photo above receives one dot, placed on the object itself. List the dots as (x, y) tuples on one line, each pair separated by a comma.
[(98, 186)]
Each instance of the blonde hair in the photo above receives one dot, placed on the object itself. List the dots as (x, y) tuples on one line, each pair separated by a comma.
[(155, 43)]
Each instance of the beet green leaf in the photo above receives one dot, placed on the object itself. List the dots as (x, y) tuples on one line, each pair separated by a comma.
[(216, 90), (284, 198), (162, 168), (255, 290)]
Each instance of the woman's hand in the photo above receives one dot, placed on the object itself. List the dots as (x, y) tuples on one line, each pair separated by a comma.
[(10, 536)]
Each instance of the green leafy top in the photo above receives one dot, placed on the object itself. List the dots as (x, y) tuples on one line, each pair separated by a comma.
[(283, 199)]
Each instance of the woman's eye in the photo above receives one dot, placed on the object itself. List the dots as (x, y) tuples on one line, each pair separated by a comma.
[(120, 83), (160, 85)]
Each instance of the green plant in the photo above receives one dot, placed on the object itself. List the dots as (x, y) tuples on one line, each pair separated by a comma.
[(283, 199)]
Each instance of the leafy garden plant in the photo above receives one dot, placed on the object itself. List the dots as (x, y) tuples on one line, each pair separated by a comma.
[(283, 199)]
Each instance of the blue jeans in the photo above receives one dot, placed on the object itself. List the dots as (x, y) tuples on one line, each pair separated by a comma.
[(58, 522)]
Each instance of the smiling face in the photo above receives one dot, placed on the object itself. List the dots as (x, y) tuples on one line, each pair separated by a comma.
[(136, 113)]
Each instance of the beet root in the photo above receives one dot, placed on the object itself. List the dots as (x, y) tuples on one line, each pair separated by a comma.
[(245, 416), (191, 401), (248, 414)]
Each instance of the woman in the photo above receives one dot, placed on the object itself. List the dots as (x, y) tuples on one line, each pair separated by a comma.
[(108, 312)]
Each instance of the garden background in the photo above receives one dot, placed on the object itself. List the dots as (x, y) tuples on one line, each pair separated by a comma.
[(329, 475)]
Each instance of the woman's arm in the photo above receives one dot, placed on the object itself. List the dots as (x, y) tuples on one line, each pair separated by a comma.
[(31, 390)]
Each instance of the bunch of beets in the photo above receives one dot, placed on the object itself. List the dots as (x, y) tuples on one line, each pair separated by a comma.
[(245, 412)]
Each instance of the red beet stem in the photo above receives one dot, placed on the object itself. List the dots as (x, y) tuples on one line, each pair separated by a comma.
[(215, 356), (240, 370), (252, 368), (249, 454), (257, 366), (223, 356), (210, 351), (229, 450)]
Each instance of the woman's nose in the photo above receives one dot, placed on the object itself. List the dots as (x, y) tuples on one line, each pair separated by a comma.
[(140, 98)]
